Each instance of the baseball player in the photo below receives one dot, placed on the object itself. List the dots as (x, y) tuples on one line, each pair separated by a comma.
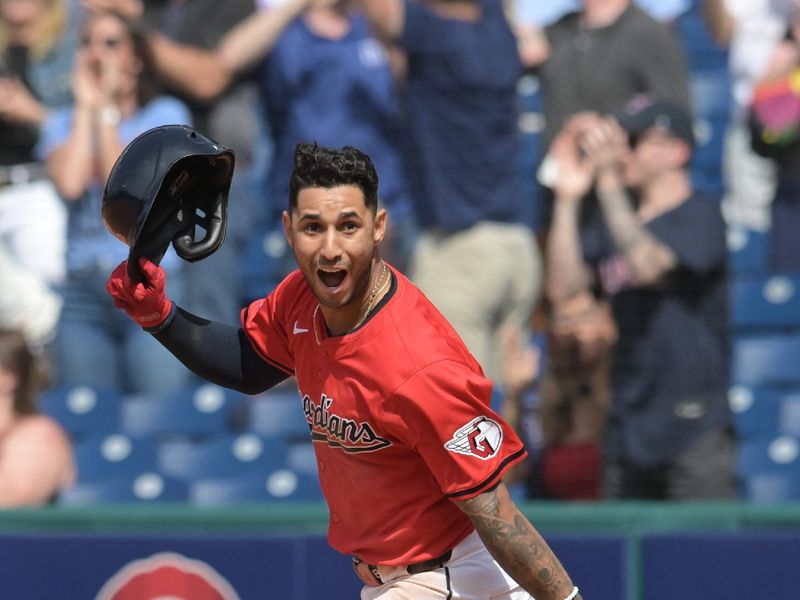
[(410, 455)]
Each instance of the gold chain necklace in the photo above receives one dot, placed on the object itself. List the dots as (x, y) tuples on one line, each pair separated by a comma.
[(383, 279)]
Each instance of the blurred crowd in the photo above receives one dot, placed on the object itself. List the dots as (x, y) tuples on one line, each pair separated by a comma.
[(597, 304)]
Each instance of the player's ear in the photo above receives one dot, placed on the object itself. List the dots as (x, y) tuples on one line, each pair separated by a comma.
[(287, 227), (379, 232)]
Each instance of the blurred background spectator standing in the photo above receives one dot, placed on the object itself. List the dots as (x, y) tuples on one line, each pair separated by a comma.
[(116, 98), (37, 47), (476, 257), (223, 107), (661, 259), (592, 55), (35, 453), (329, 80), (600, 56), (750, 30), (595, 59)]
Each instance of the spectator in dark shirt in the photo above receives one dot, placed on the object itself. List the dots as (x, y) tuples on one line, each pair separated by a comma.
[(661, 259), (476, 257)]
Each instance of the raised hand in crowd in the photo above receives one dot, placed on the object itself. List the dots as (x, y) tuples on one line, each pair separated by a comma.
[(574, 170), (605, 144), (17, 104)]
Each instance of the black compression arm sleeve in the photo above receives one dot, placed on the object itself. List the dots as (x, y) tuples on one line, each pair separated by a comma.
[(220, 353)]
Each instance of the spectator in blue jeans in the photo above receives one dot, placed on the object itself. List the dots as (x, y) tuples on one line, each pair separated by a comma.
[(116, 99)]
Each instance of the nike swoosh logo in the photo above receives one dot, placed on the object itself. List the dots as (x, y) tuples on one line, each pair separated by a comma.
[(298, 329)]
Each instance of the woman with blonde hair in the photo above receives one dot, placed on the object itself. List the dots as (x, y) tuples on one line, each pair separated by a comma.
[(117, 98), (37, 46), (35, 453)]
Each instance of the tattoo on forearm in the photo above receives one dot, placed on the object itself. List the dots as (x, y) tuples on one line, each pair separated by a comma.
[(648, 258), (517, 546)]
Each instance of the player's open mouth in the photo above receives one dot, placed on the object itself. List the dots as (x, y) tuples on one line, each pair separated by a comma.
[(331, 279)]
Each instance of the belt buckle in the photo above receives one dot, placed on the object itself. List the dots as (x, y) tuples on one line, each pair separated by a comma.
[(367, 573)]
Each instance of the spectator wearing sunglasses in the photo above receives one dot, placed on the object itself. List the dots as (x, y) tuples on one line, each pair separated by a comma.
[(117, 97)]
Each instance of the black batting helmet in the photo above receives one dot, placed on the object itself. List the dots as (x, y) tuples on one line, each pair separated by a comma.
[(167, 183)]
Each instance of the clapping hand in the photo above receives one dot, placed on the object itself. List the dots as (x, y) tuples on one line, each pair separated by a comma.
[(575, 170), (605, 143)]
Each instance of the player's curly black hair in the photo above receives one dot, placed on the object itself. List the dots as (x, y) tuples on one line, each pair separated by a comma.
[(317, 166)]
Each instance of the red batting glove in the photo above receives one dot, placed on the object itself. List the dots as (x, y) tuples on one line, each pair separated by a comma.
[(145, 302)]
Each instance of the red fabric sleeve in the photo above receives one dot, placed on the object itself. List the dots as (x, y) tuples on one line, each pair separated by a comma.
[(443, 413), (264, 322)]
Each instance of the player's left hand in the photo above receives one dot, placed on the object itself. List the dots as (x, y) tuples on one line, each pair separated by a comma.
[(145, 302)]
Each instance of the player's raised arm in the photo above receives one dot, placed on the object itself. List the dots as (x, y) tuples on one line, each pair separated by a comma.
[(168, 184), (219, 353), (516, 545)]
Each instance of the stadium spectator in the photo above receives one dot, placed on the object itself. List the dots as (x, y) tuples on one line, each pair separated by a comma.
[(476, 257), (750, 30), (35, 453), (660, 257), (37, 44), (597, 58), (116, 98), (223, 107), (327, 79), (777, 90), (574, 398), (604, 54)]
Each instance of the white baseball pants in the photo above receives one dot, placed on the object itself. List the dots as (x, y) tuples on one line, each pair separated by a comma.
[(470, 574)]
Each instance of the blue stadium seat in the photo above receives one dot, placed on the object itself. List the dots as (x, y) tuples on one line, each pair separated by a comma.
[(710, 91), (82, 410), (780, 453), (113, 456), (768, 301), (200, 410), (283, 485), (766, 360), (747, 250), (142, 488), (770, 469), (755, 411), (789, 416), (701, 51), (772, 488), (302, 458), (710, 141), (264, 263), (278, 413), (229, 455)]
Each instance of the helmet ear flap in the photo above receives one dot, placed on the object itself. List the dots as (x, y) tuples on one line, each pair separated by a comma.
[(213, 223)]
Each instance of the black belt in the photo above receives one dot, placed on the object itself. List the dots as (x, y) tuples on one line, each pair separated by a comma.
[(429, 565), (370, 574)]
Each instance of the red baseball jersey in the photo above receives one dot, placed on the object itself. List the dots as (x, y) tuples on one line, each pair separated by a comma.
[(399, 415)]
